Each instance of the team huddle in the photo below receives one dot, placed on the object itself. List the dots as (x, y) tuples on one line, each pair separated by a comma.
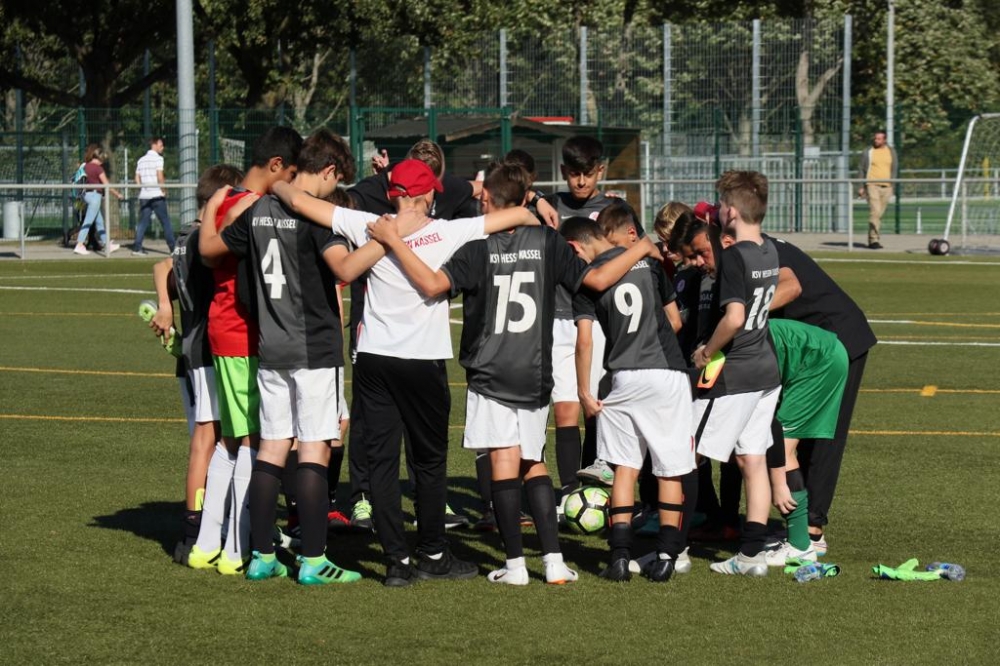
[(718, 343)]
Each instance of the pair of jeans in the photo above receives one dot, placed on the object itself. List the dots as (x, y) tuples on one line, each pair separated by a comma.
[(93, 214), (147, 208)]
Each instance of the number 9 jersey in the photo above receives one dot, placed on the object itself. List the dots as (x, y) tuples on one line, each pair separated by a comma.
[(508, 282)]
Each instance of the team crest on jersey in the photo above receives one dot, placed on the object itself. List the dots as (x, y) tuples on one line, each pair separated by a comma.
[(681, 284)]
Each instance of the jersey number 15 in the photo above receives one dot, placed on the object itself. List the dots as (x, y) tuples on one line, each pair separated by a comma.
[(509, 291)]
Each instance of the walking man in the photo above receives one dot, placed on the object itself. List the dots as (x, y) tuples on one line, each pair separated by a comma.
[(878, 165), (152, 198)]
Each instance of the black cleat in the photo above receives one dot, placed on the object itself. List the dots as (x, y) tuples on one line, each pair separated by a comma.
[(617, 571), (448, 567), (659, 571), (398, 574)]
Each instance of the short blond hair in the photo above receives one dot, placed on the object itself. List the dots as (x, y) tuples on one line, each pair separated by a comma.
[(667, 216), (746, 191)]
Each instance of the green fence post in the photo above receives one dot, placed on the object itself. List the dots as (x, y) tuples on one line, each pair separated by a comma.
[(896, 187), (506, 136), (432, 124), (717, 123)]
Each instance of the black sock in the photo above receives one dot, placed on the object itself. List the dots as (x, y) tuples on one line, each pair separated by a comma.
[(588, 453), (730, 489), (649, 486), (620, 541), (753, 538), (669, 541), (708, 501), (192, 524), (795, 480), (507, 509), (288, 481), (815, 537), (568, 456), (265, 484), (542, 500), (689, 486), (314, 492), (333, 472), (484, 476)]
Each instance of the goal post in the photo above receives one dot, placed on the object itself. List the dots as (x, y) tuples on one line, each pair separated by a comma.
[(975, 199)]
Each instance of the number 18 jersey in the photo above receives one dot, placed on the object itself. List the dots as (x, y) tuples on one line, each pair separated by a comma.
[(509, 285)]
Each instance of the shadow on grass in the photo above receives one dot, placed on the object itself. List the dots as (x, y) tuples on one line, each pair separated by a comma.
[(156, 521)]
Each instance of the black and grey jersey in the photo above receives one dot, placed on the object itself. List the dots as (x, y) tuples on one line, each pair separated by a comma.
[(296, 292), (631, 315), (195, 288), (508, 284), (567, 206), (687, 285), (749, 275), (823, 303)]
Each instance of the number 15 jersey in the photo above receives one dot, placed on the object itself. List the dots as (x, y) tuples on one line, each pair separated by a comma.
[(509, 284)]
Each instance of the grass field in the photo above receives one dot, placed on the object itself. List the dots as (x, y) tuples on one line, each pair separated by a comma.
[(94, 451)]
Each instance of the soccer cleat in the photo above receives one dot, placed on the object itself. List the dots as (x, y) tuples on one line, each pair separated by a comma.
[(741, 565), (446, 567), (264, 566), (321, 571), (557, 573), (337, 521), (228, 567), (452, 519), (515, 576), (599, 472), (399, 574), (819, 545), (361, 516), (682, 564), (784, 551), (617, 571), (659, 569), (199, 559), (488, 523), (81, 249)]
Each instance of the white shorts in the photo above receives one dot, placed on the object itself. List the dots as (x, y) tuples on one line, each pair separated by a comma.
[(647, 410), (343, 409), (493, 425), (300, 403), (564, 387), (206, 401), (739, 423)]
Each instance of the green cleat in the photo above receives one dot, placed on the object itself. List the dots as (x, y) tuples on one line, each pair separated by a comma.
[(264, 566), (320, 571), (199, 559), (228, 567)]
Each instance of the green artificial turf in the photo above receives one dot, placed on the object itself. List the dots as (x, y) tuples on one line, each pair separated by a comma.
[(93, 457)]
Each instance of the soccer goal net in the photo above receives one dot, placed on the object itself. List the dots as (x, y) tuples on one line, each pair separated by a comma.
[(974, 212)]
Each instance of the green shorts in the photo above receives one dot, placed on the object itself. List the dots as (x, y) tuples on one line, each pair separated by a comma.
[(239, 397), (810, 402)]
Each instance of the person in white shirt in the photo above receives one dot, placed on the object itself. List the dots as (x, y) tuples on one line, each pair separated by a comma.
[(152, 198)]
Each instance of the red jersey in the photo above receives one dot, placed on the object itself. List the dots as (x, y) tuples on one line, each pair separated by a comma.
[(231, 329)]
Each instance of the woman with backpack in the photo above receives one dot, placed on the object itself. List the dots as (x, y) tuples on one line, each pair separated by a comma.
[(93, 167)]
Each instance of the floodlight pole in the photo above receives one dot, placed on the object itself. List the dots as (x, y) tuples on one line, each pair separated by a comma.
[(186, 128), (890, 101)]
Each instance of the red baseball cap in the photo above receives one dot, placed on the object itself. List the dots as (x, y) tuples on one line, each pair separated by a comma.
[(706, 211), (412, 178)]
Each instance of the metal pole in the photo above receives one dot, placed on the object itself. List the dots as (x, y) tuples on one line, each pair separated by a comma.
[(503, 68), (890, 47), (755, 78), (668, 91), (213, 111), (186, 128), (107, 220), (845, 119), (147, 114), (427, 79), (354, 77), (584, 120), (19, 129)]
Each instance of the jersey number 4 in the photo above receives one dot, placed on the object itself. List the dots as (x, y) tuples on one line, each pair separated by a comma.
[(758, 311), (509, 291), (270, 268)]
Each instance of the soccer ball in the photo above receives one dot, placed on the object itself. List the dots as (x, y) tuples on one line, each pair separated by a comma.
[(939, 247), (586, 509)]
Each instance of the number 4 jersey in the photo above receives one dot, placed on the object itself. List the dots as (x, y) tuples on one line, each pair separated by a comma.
[(749, 275), (296, 292), (509, 284)]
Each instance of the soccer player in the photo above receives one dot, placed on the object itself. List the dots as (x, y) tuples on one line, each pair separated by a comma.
[(233, 337), (183, 276), (649, 406), (400, 376), (583, 168), (508, 303), (301, 352), (735, 414)]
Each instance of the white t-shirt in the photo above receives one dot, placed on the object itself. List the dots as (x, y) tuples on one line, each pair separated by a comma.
[(398, 321), (146, 169)]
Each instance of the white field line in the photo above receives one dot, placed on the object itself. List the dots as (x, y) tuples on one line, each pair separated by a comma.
[(918, 343), (76, 276), (833, 260), (82, 289)]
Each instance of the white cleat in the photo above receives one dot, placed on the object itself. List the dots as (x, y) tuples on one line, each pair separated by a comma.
[(557, 573), (681, 566), (741, 565), (785, 551), (515, 576)]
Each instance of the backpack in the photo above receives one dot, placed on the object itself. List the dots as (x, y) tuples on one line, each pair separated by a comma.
[(79, 179)]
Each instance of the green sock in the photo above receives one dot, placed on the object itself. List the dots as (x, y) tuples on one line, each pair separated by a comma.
[(266, 557), (315, 561), (798, 521)]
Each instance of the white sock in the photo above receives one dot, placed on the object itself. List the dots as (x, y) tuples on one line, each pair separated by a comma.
[(213, 511), (516, 563), (238, 539)]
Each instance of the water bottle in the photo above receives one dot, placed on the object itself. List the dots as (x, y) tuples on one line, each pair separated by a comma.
[(808, 572), (955, 572)]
